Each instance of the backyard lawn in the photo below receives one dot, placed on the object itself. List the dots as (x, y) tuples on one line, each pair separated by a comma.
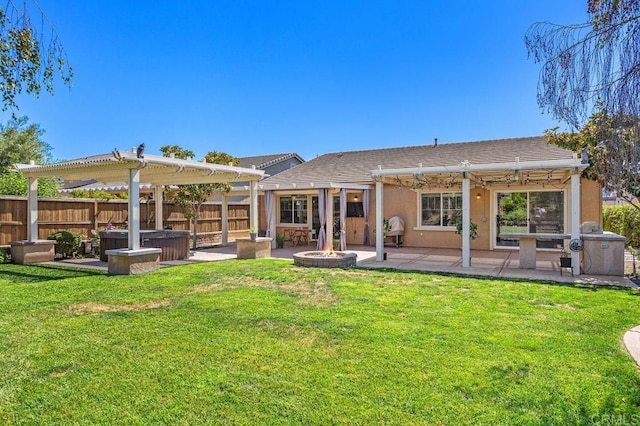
[(265, 342)]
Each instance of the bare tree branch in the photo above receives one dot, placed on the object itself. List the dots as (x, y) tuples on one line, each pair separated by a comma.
[(588, 65)]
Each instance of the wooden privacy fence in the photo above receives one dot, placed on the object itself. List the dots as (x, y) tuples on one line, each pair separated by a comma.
[(84, 215)]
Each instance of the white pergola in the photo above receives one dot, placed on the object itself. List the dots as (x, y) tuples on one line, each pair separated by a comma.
[(124, 166), (464, 173), (330, 188)]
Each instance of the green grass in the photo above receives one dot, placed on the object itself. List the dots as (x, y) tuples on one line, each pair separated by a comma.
[(264, 342)]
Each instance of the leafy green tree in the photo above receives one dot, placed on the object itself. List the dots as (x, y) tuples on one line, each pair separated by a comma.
[(611, 144), (96, 193), (31, 53), (13, 183), (595, 64), (190, 198), (21, 142)]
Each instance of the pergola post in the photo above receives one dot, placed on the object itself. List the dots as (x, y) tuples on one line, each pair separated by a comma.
[(224, 216), (466, 221), (272, 218), (379, 223), (253, 208), (329, 218), (32, 230), (134, 209), (575, 219), (158, 196)]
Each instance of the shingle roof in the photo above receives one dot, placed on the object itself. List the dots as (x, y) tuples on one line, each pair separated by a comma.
[(356, 166), (263, 161)]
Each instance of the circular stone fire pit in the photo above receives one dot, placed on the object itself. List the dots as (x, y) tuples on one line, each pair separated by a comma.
[(319, 259)]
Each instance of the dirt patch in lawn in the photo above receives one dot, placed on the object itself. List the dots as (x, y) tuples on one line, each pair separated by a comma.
[(98, 308), (311, 291)]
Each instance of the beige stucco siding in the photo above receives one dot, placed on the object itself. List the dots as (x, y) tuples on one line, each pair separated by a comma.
[(403, 202)]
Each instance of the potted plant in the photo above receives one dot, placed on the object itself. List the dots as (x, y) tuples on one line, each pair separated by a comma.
[(253, 234), (565, 259), (473, 229), (279, 240)]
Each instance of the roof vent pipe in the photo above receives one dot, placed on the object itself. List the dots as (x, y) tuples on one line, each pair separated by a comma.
[(435, 141)]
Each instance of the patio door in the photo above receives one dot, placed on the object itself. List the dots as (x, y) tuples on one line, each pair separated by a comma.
[(541, 212)]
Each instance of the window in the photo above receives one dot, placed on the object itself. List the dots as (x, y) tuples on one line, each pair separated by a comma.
[(355, 209), (440, 209), (293, 210), (533, 212)]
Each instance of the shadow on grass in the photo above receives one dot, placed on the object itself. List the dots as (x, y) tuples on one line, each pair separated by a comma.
[(40, 273), (582, 286)]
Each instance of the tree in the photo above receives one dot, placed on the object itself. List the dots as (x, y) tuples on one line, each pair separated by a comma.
[(611, 145), (21, 142), (589, 64), (30, 53), (190, 198)]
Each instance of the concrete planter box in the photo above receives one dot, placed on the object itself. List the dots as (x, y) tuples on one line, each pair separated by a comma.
[(24, 252), (250, 249), (133, 262)]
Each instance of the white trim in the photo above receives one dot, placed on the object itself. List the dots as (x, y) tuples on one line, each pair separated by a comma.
[(379, 234), (157, 169), (466, 222), (311, 185), (486, 167), (32, 213), (575, 220), (435, 228), (421, 227), (493, 212), (292, 224)]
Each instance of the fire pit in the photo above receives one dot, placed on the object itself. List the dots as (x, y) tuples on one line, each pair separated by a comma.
[(323, 259)]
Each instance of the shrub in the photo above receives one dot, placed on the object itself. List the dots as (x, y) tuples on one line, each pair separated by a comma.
[(67, 242), (94, 193), (623, 220), (4, 256)]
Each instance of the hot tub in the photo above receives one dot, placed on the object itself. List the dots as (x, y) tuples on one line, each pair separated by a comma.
[(174, 244)]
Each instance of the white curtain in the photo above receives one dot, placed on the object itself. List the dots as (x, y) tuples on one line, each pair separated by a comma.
[(365, 208), (322, 211), (269, 199), (343, 219)]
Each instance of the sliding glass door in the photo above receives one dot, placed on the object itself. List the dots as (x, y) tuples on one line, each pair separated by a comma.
[(540, 212)]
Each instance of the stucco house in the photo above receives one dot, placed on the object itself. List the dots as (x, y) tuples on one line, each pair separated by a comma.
[(501, 186)]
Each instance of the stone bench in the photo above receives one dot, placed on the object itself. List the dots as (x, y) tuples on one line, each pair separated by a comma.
[(133, 262), (528, 249)]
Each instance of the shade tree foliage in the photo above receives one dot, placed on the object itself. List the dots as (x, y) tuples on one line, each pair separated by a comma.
[(190, 198), (31, 53), (595, 64), (21, 142), (590, 79), (611, 146)]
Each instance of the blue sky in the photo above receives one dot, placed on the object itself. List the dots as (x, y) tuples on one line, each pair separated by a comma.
[(259, 77)]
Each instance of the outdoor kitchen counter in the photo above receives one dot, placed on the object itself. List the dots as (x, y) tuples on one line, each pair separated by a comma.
[(174, 244)]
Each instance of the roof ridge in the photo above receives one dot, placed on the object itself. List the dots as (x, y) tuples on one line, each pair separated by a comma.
[(431, 145), (276, 158)]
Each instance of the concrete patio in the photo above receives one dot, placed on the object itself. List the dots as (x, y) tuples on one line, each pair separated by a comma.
[(495, 264)]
